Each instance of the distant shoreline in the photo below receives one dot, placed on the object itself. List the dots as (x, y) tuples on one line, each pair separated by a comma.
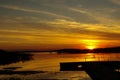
[(71, 50)]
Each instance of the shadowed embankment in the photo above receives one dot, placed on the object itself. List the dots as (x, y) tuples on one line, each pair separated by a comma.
[(13, 57), (8, 72)]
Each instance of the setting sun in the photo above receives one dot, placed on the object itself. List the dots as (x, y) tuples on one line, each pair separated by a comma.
[(90, 44), (90, 47)]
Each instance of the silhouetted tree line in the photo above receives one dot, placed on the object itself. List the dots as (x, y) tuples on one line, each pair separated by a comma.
[(99, 50), (13, 57), (107, 50), (71, 51)]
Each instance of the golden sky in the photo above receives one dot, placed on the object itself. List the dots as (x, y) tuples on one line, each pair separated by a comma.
[(55, 24)]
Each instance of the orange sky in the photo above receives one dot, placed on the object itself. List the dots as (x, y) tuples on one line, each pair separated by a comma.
[(56, 24)]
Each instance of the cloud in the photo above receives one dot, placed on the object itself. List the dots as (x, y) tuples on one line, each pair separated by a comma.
[(90, 11), (33, 11), (116, 1), (55, 32), (102, 16), (61, 28), (82, 29), (62, 23), (78, 10)]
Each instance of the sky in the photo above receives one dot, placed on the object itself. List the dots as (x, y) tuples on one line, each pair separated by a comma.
[(56, 24)]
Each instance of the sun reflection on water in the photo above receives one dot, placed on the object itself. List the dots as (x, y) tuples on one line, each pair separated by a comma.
[(90, 57)]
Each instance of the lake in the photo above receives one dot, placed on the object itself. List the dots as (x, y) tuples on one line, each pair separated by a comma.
[(49, 67)]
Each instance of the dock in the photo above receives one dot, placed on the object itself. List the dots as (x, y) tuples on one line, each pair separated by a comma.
[(97, 70)]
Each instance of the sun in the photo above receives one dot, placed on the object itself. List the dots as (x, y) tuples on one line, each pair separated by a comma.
[(91, 47), (90, 44)]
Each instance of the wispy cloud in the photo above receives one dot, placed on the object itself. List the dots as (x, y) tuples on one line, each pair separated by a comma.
[(116, 1), (61, 28), (74, 24), (102, 16), (33, 11)]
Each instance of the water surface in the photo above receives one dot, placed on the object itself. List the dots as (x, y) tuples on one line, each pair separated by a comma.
[(49, 64)]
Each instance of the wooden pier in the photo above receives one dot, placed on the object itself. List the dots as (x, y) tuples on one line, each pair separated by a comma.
[(97, 70)]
